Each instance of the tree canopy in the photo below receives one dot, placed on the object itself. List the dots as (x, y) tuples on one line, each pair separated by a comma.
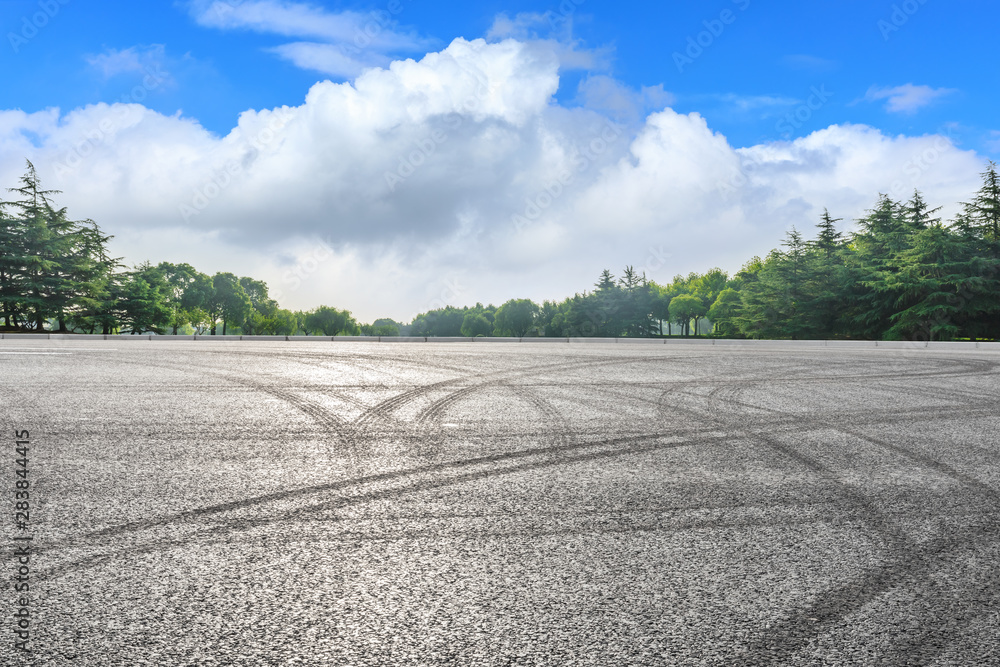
[(902, 273)]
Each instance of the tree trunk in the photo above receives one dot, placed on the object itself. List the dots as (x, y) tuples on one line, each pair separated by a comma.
[(223, 327)]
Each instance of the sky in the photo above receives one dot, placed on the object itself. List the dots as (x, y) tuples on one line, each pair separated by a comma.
[(394, 156)]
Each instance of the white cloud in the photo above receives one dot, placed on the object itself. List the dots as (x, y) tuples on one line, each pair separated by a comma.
[(457, 178), (349, 41), (611, 96), (329, 59), (553, 30), (142, 60), (745, 103), (906, 99), (297, 19)]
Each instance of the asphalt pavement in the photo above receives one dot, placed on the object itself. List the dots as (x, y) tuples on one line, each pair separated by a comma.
[(296, 503)]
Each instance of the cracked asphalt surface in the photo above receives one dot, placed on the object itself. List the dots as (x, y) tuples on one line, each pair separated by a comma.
[(216, 503)]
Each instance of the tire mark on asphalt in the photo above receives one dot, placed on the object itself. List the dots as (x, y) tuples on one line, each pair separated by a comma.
[(782, 640), (778, 644), (202, 512), (383, 410), (877, 576), (931, 637), (635, 446), (828, 422)]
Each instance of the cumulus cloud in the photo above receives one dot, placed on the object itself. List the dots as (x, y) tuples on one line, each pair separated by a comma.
[(611, 96), (458, 178), (906, 99)]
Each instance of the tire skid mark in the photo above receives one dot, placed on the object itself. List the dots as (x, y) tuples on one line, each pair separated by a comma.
[(319, 414), (906, 559), (235, 505), (226, 527), (435, 410), (910, 562), (384, 410), (916, 564), (613, 450), (931, 638), (927, 461), (830, 422), (372, 362)]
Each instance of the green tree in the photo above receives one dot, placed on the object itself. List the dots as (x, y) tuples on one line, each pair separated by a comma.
[(329, 321), (829, 240), (282, 322), (938, 286), (636, 297), (53, 267), (918, 215), (145, 301), (684, 308), (181, 279), (441, 322), (984, 208), (475, 324), (875, 251), (724, 312), (228, 301), (516, 317)]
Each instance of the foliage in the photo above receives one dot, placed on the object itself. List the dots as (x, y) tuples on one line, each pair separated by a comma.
[(902, 273), (329, 321), (516, 317), (475, 324)]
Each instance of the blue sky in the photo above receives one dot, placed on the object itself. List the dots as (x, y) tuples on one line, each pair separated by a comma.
[(826, 102), (761, 67)]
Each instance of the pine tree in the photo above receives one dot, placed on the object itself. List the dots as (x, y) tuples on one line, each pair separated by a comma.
[(939, 285), (884, 235), (57, 266), (918, 214), (829, 239), (984, 210), (10, 264)]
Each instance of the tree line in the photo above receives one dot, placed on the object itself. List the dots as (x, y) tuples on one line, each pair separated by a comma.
[(57, 273), (902, 274)]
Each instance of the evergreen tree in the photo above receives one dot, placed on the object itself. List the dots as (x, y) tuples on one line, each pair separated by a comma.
[(724, 311), (828, 240), (918, 214), (53, 267), (145, 301), (939, 285), (984, 209), (883, 237)]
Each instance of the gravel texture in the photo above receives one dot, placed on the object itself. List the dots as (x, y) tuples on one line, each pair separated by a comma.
[(287, 503)]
